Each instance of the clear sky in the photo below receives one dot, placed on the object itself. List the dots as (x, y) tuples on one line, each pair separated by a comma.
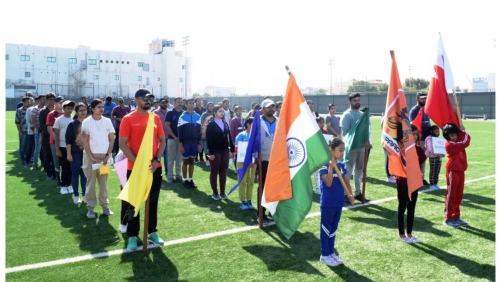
[(246, 44)]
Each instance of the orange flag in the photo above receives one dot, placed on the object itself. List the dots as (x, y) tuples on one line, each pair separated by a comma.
[(402, 158), (418, 121)]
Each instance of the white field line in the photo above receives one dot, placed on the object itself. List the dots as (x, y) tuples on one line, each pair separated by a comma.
[(194, 238)]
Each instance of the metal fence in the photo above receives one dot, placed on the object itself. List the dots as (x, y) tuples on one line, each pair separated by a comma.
[(474, 103)]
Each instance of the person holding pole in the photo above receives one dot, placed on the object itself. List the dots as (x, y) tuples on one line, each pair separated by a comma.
[(132, 131), (356, 157), (334, 183)]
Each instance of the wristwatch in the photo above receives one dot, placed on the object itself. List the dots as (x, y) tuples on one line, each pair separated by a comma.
[(158, 159)]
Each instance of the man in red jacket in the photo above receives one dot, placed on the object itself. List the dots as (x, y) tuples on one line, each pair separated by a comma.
[(457, 141)]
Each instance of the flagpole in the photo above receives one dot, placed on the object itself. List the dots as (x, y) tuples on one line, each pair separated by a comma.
[(260, 190), (146, 220), (457, 108), (366, 158), (348, 192)]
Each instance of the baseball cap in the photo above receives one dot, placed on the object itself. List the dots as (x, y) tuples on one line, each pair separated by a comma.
[(421, 95), (141, 93), (68, 103), (59, 99), (25, 98), (266, 103)]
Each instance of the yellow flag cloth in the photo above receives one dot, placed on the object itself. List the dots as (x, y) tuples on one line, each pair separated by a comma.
[(104, 169), (138, 186)]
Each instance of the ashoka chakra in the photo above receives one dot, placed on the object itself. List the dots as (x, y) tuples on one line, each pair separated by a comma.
[(296, 152)]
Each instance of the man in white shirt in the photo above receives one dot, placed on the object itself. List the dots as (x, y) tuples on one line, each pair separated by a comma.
[(60, 142), (228, 114)]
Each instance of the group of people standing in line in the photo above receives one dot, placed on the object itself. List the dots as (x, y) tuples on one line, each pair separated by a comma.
[(189, 130)]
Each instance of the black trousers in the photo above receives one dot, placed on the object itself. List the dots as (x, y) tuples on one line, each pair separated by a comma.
[(405, 203), (133, 226), (64, 168), (263, 177), (115, 143), (47, 161)]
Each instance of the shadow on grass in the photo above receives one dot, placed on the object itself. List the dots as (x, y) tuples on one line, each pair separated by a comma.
[(479, 232), (388, 219), (466, 266), (469, 200), (153, 266), (94, 235)]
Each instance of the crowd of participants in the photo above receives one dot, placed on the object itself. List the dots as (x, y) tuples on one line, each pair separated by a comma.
[(68, 138)]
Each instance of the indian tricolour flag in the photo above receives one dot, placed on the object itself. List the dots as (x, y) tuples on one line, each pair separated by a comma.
[(298, 150)]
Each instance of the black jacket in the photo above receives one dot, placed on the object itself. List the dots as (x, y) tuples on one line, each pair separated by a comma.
[(218, 141)]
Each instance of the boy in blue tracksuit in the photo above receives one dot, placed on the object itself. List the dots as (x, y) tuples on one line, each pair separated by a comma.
[(190, 137)]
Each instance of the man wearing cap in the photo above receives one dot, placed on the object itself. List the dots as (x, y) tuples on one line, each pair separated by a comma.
[(22, 129), (116, 116), (46, 158), (35, 110), (173, 145), (228, 114), (425, 125), (59, 129), (132, 130), (268, 126), (51, 119), (20, 104)]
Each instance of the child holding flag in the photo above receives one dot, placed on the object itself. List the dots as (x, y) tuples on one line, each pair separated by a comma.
[(332, 201), (457, 141), (435, 160), (247, 183), (403, 191)]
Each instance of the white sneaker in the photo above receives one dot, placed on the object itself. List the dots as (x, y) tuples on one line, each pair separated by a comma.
[(434, 187), (91, 214), (70, 189), (207, 163), (122, 228), (64, 190), (84, 200), (328, 260), (318, 191), (407, 240), (391, 179), (414, 239), (337, 259), (76, 200)]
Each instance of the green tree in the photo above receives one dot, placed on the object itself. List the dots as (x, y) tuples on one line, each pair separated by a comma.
[(362, 86), (382, 87), (206, 94), (196, 94), (322, 91), (416, 83)]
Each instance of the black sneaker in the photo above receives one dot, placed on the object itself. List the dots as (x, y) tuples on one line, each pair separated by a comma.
[(270, 217), (425, 183), (192, 184), (359, 198), (186, 184)]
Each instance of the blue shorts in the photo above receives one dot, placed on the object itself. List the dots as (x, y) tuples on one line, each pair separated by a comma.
[(190, 151)]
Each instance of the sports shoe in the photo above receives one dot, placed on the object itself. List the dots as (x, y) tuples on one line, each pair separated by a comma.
[(266, 222), (27, 165), (434, 187), (270, 217), (244, 206), (108, 212), (153, 238), (48, 177), (69, 189), (64, 190), (425, 183), (391, 179), (406, 240), (186, 184), (196, 161), (216, 197), (414, 239), (91, 214), (328, 260), (76, 200), (35, 167), (132, 244), (193, 185), (337, 259), (318, 191), (359, 197), (169, 180), (461, 222), (223, 196), (250, 206), (207, 163), (122, 228), (451, 223)]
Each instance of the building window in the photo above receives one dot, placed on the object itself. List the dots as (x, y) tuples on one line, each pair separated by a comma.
[(100, 61), (112, 62), (158, 78), (117, 77), (6, 57), (25, 58), (127, 62), (106, 61), (140, 64), (146, 67), (183, 67), (92, 61), (122, 62), (51, 59), (139, 78), (180, 79), (27, 74), (96, 77), (72, 60)]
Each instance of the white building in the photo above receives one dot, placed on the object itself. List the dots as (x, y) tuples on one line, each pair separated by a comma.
[(484, 84), (73, 73)]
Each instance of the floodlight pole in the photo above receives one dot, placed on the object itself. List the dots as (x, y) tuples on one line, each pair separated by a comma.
[(186, 42)]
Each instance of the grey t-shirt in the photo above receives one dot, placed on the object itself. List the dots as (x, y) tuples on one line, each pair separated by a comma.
[(334, 120), (348, 120)]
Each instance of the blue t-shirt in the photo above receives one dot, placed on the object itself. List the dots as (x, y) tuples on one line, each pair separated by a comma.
[(173, 118), (332, 196), (242, 137), (108, 109)]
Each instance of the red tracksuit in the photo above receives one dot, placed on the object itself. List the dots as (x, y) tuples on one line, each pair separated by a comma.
[(455, 168)]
